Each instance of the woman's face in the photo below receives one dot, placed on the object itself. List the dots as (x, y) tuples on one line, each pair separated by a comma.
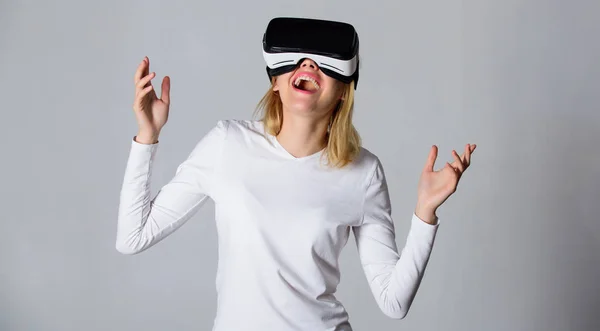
[(308, 91)]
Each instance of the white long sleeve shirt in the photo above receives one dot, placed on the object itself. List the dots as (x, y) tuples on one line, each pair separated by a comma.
[(282, 222)]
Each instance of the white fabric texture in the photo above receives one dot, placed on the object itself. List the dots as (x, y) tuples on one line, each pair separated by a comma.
[(282, 223)]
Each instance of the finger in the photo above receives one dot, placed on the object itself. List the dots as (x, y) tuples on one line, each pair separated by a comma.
[(465, 155), (461, 159), (472, 149), (460, 166), (431, 158), (139, 72), (145, 81), (147, 67), (451, 168), (455, 164), (143, 92), (165, 90), (468, 151)]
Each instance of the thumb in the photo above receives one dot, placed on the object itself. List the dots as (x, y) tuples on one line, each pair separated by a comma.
[(431, 158), (165, 89)]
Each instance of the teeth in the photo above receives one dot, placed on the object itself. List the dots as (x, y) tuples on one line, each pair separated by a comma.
[(306, 78)]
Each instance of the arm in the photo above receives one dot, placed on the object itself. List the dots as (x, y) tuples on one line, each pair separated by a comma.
[(393, 278), (142, 221)]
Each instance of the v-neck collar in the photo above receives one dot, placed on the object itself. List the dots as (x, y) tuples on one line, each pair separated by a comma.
[(284, 152)]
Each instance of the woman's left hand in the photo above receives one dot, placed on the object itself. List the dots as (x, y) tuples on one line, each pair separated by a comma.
[(436, 186)]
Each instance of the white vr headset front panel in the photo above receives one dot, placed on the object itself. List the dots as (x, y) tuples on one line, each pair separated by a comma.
[(343, 67)]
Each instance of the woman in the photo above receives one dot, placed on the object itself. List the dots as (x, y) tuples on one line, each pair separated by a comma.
[(288, 189)]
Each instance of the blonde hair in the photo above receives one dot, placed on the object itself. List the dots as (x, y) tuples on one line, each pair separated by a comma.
[(343, 140)]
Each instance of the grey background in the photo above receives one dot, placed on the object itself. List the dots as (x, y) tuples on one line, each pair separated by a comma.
[(519, 246)]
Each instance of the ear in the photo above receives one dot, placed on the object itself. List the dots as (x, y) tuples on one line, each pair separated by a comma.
[(275, 86)]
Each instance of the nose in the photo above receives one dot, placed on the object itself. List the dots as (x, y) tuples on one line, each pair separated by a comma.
[(308, 63)]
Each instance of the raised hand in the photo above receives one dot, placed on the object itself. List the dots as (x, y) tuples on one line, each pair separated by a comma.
[(150, 112), (436, 186)]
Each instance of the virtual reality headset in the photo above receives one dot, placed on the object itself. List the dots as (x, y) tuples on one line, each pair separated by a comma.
[(333, 46)]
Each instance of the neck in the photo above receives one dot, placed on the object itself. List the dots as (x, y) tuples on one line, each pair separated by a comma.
[(303, 136)]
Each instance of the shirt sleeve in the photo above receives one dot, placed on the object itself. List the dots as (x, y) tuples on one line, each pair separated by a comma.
[(393, 278), (142, 221)]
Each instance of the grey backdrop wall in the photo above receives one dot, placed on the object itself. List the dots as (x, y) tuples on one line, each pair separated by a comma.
[(519, 247)]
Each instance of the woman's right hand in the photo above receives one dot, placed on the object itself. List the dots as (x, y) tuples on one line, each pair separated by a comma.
[(150, 112)]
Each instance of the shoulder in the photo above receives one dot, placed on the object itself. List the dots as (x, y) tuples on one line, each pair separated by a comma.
[(364, 168), (368, 161), (229, 129), (240, 134), (237, 127)]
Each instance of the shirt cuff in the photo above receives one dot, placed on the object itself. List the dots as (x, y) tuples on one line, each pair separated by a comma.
[(142, 152), (421, 227)]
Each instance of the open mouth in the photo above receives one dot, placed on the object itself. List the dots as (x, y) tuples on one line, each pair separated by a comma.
[(306, 83)]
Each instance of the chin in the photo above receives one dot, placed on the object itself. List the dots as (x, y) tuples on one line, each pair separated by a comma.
[(299, 103), (305, 103)]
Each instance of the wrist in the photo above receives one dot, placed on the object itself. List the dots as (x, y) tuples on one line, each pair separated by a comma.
[(426, 214), (145, 138)]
